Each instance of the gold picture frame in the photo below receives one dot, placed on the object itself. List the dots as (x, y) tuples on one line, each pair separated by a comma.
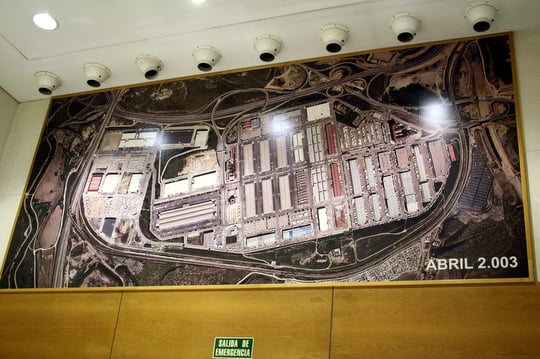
[(400, 166)]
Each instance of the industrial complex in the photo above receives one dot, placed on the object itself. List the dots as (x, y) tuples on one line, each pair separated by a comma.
[(288, 176)]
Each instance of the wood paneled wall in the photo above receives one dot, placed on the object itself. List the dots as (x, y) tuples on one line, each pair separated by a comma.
[(57, 324), (183, 324), (488, 321), (437, 322)]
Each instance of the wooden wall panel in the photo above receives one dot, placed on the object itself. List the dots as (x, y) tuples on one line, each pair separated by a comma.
[(57, 324), (286, 323), (488, 321), (433, 322)]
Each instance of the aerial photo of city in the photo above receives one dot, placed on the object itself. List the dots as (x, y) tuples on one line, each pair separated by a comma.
[(399, 165)]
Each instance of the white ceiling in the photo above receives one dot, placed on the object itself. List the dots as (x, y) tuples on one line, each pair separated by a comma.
[(115, 32)]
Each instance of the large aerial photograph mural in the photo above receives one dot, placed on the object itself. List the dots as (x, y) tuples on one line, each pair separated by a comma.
[(399, 165)]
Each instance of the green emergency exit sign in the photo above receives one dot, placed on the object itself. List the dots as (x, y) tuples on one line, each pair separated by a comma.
[(233, 347)]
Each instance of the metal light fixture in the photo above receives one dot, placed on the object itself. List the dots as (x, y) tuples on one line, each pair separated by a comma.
[(268, 46), (47, 82), (481, 14), (96, 74), (334, 36), (149, 66), (206, 57), (405, 26)]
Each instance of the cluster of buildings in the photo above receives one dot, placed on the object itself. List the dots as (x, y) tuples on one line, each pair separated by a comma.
[(287, 176)]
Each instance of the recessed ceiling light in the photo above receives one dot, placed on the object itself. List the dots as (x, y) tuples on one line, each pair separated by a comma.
[(198, 1), (45, 21)]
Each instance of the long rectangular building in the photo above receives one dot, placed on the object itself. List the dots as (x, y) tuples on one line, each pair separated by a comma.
[(315, 143), (336, 180), (267, 195), (264, 147), (356, 178), (439, 157), (284, 192), (421, 164), (249, 200), (330, 139), (298, 146), (360, 211), (281, 152), (370, 173), (186, 215), (319, 182), (394, 209), (247, 150)]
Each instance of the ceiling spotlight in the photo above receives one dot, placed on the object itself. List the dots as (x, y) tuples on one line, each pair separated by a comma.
[(96, 74), (206, 57), (334, 37), (405, 26), (149, 66), (45, 21), (268, 46), (481, 14), (47, 82)]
